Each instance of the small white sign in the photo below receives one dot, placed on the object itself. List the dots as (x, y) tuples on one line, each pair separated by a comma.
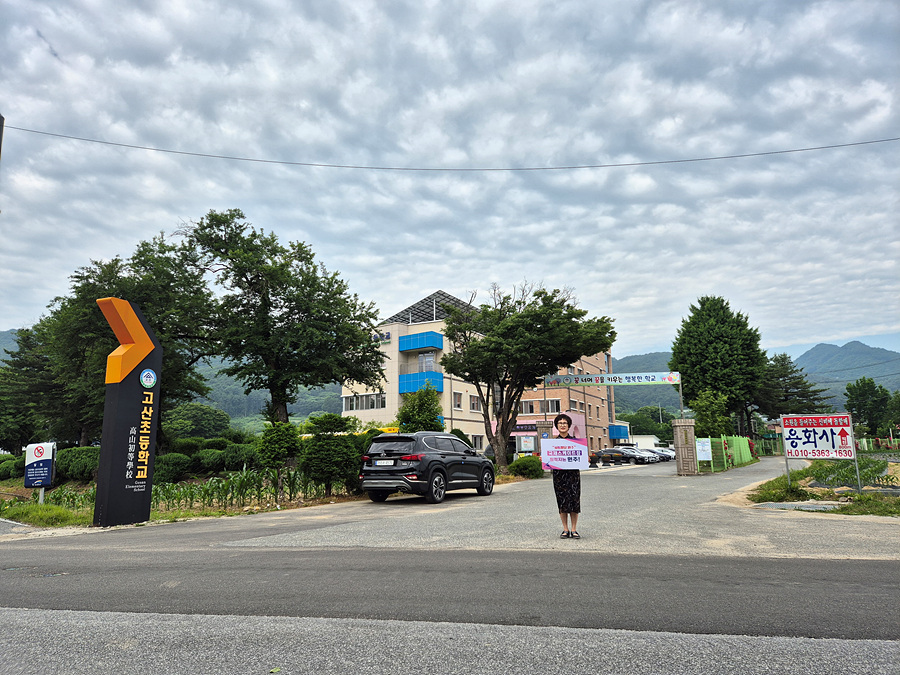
[(704, 449)]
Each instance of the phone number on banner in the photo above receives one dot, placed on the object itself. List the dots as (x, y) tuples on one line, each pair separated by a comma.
[(819, 453)]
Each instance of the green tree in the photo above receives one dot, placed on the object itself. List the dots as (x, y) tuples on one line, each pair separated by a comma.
[(716, 350), (284, 321), (711, 415), (891, 425), (421, 411), (24, 379), (330, 456), (784, 390), (278, 442), (646, 421), (197, 419), (868, 403), (510, 343), (63, 357)]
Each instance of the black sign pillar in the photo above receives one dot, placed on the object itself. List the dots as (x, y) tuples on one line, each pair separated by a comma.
[(130, 418)]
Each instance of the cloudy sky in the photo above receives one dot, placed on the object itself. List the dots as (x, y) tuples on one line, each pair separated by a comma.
[(422, 145)]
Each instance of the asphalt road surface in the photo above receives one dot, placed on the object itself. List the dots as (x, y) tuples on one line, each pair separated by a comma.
[(672, 575)]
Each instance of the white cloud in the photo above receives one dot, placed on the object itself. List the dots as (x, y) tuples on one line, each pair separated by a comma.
[(805, 244)]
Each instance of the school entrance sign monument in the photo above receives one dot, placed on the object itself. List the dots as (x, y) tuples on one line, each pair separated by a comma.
[(130, 418)]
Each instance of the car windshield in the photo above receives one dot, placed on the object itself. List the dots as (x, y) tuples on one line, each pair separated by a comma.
[(392, 446)]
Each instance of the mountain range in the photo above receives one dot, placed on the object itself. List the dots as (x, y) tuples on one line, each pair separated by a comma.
[(826, 366)]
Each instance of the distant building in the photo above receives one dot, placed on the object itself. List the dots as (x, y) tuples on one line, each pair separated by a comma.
[(413, 341)]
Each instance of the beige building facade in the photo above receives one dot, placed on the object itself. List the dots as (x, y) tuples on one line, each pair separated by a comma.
[(413, 342)]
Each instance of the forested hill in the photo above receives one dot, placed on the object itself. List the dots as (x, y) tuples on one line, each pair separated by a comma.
[(629, 399), (228, 394), (832, 367), (7, 341), (826, 366)]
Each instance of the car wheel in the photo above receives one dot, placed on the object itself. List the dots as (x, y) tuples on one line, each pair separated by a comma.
[(378, 495), (632, 461), (437, 488), (486, 486)]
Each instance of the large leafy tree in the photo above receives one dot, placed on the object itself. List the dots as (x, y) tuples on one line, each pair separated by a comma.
[(716, 350), (868, 402), (784, 390), (61, 361), (510, 343), (284, 321)]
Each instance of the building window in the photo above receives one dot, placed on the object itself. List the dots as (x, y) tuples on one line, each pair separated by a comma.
[(551, 405), (457, 400), (426, 362), (474, 404), (478, 442), (365, 402), (526, 407), (570, 370), (589, 410)]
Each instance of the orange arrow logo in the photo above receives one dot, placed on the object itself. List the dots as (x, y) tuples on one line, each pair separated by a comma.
[(134, 342)]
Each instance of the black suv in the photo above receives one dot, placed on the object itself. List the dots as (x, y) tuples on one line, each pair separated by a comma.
[(425, 463)]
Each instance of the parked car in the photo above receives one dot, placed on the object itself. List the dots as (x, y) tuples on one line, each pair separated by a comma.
[(612, 456), (664, 454), (636, 455), (426, 463)]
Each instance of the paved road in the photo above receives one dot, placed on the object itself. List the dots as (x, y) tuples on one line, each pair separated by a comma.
[(668, 578)]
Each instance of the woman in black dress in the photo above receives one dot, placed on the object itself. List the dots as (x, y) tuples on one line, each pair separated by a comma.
[(567, 485)]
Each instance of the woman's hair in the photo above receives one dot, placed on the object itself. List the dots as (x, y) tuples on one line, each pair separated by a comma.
[(562, 416)]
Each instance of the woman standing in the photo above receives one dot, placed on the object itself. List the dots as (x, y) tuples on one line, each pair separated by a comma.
[(567, 486)]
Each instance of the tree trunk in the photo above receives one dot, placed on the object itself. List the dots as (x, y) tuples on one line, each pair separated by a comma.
[(498, 443), (279, 407)]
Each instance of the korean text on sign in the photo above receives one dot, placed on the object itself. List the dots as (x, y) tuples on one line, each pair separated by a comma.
[(818, 436)]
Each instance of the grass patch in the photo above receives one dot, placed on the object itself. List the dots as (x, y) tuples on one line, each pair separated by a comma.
[(777, 490), (48, 515), (871, 504)]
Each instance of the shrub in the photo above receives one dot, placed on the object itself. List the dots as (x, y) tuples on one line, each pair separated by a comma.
[(187, 446), (215, 443), (527, 467), (18, 467), (279, 441), (209, 460), (5, 457), (327, 459), (238, 455), (79, 464), (6, 469), (171, 467)]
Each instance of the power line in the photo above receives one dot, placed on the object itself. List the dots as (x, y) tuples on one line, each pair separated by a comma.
[(455, 169)]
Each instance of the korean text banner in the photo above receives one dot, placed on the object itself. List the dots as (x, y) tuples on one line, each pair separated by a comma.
[(611, 379), (564, 453)]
